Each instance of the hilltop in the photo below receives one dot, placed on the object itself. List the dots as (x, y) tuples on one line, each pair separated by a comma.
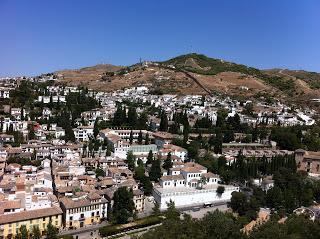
[(199, 74)]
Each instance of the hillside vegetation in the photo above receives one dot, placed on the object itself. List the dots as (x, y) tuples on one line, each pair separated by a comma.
[(204, 65), (199, 74)]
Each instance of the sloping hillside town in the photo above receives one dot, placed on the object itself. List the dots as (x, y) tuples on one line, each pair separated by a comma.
[(70, 156)]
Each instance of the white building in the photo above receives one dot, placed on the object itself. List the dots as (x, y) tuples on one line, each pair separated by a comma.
[(4, 93), (188, 185), (83, 133), (83, 211)]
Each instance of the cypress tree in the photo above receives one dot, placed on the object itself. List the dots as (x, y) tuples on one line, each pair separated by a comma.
[(150, 157), (155, 170), (140, 138), (147, 139), (163, 121), (131, 137), (167, 162)]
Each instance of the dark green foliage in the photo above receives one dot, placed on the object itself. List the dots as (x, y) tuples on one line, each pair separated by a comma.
[(150, 157), (211, 66), (132, 117), (31, 133), (155, 170), (172, 213), (35, 233), (131, 137), (163, 121), (96, 128), (123, 205), (218, 143), (114, 229), (130, 160), (140, 138), (204, 122), (52, 232), (147, 139), (119, 117), (167, 164), (239, 203), (220, 190), (78, 102), (100, 172), (24, 161), (286, 138), (156, 209), (213, 225), (295, 227), (23, 232), (146, 185), (23, 95)]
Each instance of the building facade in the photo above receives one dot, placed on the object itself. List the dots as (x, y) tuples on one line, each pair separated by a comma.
[(11, 223)]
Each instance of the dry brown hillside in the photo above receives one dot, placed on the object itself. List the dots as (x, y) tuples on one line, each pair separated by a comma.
[(198, 74)]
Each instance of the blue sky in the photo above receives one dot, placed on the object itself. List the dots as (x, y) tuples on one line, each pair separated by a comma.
[(39, 36)]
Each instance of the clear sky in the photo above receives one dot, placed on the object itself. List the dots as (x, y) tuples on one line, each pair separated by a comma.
[(38, 36)]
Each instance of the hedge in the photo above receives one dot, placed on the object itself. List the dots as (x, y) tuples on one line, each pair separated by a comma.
[(115, 229)]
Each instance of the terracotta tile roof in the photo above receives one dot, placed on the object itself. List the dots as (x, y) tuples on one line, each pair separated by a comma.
[(28, 215), (172, 177), (69, 203), (10, 205), (163, 135), (210, 175)]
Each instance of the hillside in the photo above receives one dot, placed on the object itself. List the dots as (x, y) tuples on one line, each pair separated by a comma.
[(199, 74)]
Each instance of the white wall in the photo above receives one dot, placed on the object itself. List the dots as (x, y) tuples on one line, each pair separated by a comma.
[(192, 198)]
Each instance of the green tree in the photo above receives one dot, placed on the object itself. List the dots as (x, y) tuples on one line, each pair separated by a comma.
[(239, 203), (275, 198), (163, 121), (168, 162), (220, 190), (23, 231), (132, 117), (156, 209), (100, 172), (130, 160), (96, 128), (150, 157), (147, 139), (218, 143), (140, 138), (31, 133), (52, 232), (146, 185), (36, 234), (155, 170), (131, 137), (172, 213), (123, 206)]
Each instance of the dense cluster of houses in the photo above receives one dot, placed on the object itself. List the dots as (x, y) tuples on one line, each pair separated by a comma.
[(63, 188)]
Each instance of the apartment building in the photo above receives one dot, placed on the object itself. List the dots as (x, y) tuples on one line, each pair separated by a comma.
[(84, 210), (11, 223)]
